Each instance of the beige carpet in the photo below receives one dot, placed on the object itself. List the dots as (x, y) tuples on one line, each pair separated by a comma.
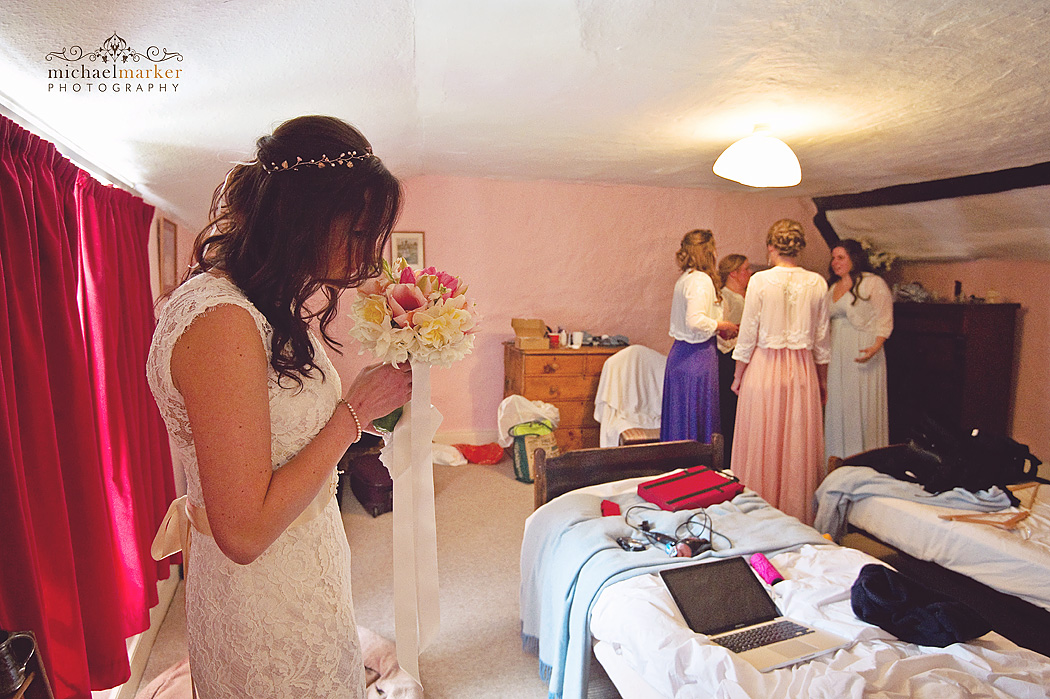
[(481, 513)]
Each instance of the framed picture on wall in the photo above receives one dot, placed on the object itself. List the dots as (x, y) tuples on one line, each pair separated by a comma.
[(409, 245), (167, 246)]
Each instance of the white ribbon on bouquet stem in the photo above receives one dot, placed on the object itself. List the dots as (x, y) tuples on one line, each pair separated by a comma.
[(408, 456)]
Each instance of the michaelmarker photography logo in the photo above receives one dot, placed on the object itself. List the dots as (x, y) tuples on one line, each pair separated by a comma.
[(114, 67)]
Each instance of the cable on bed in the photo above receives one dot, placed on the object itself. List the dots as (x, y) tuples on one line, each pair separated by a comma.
[(671, 543)]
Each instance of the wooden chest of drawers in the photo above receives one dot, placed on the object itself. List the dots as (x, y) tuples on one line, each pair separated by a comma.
[(565, 378)]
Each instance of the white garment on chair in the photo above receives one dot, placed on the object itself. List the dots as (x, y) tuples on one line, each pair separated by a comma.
[(630, 392)]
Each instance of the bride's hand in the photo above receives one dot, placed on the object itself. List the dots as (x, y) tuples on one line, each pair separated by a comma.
[(378, 390)]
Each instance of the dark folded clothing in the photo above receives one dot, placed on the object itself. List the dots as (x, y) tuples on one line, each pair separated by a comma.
[(911, 612)]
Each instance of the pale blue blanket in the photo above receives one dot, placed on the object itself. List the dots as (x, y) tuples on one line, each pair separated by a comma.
[(570, 554), (848, 484)]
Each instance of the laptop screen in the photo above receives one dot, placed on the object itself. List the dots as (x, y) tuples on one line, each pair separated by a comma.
[(719, 595)]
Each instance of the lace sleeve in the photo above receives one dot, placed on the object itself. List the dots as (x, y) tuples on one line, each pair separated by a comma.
[(186, 304)]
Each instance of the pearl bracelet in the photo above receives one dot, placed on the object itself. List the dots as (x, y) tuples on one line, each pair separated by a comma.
[(357, 421)]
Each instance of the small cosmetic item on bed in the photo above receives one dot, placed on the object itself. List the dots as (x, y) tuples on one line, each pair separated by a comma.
[(610, 508), (765, 569), (689, 547)]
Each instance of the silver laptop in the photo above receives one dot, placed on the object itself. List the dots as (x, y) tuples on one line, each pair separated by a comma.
[(724, 600)]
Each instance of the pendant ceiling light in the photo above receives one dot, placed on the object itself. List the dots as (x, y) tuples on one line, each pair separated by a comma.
[(760, 160)]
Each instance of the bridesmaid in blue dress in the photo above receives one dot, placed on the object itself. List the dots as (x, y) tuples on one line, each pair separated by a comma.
[(860, 308)]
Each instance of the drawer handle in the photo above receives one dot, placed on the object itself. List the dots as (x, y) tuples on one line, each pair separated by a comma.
[(550, 367), (554, 391)]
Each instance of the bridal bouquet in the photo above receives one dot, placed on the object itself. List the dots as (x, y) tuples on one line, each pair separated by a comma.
[(420, 315), (423, 317)]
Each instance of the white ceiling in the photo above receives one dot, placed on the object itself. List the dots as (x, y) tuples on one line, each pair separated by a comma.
[(869, 93)]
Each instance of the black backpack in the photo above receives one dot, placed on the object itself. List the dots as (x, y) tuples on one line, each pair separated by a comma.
[(940, 459)]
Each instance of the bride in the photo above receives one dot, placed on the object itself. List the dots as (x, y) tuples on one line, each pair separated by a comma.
[(257, 415)]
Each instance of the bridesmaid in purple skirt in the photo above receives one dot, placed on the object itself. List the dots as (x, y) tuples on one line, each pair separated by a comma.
[(690, 399)]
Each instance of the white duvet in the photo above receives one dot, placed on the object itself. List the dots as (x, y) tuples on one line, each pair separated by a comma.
[(641, 624), (1015, 561)]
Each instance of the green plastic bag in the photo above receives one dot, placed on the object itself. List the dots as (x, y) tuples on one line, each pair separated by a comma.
[(524, 452)]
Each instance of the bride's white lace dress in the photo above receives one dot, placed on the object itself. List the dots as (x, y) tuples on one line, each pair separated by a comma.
[(282, 626)]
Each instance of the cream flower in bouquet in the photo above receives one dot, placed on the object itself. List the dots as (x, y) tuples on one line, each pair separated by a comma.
[(404, 314), (421, 315)]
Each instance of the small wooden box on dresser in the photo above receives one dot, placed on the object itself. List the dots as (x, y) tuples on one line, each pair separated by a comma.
[(565, 378)]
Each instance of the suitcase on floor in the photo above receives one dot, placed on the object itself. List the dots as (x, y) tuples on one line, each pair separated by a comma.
[(371, 484)]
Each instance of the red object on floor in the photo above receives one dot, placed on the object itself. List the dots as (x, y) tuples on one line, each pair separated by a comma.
[(610, 508), (491, 453)]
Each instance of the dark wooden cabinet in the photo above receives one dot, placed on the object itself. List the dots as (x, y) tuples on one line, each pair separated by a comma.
[(954, 361)]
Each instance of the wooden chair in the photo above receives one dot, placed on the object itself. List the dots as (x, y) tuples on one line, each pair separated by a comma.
[(575, 469), (639, 435)]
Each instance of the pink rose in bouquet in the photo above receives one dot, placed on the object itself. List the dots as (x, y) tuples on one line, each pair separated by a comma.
[(422, 315)]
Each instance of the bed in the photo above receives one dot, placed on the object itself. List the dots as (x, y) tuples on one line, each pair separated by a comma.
[(1004, 572), (582, 594)]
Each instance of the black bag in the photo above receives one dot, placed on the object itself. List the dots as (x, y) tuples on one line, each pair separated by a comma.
[(940, 459), (905, 462), (372, 485), (1011, 460), (974, 460)]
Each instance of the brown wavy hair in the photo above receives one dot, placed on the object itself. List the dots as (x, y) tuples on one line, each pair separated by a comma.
[(786, 237), (859, 259), (284, 236), (697, 251)]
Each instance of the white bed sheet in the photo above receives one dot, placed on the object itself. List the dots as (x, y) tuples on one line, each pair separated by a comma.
[(1016, 562), (636, 622), (629, 684)]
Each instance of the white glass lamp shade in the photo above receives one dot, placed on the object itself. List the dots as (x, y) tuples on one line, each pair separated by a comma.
[(760, 160)]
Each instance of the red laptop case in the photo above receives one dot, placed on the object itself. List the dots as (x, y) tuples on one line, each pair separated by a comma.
[(695, 487)]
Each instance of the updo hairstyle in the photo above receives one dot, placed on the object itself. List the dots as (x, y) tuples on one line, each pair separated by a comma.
[(786, 237)]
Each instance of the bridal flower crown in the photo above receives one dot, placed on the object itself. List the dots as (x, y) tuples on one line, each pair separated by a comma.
[(346, 159)]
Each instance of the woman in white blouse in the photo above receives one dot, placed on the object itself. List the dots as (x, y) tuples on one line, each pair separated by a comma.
[(781, 372), (690, 398), (734, 273), (860, 307)]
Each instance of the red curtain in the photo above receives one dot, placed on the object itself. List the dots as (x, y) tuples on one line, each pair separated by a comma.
[(116, 308), (83, 458)]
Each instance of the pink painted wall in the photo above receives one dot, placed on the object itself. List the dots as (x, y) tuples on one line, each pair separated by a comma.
[(586, 257), (600, 258), (1018, 281)]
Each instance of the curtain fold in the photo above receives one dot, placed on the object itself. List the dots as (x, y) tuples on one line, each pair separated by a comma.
[(65, 549), (116, 312)]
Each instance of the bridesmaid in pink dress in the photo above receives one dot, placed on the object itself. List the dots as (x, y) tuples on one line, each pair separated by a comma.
[(781, 356)]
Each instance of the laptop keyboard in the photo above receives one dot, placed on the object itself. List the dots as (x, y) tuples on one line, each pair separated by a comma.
[(762, 636)]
